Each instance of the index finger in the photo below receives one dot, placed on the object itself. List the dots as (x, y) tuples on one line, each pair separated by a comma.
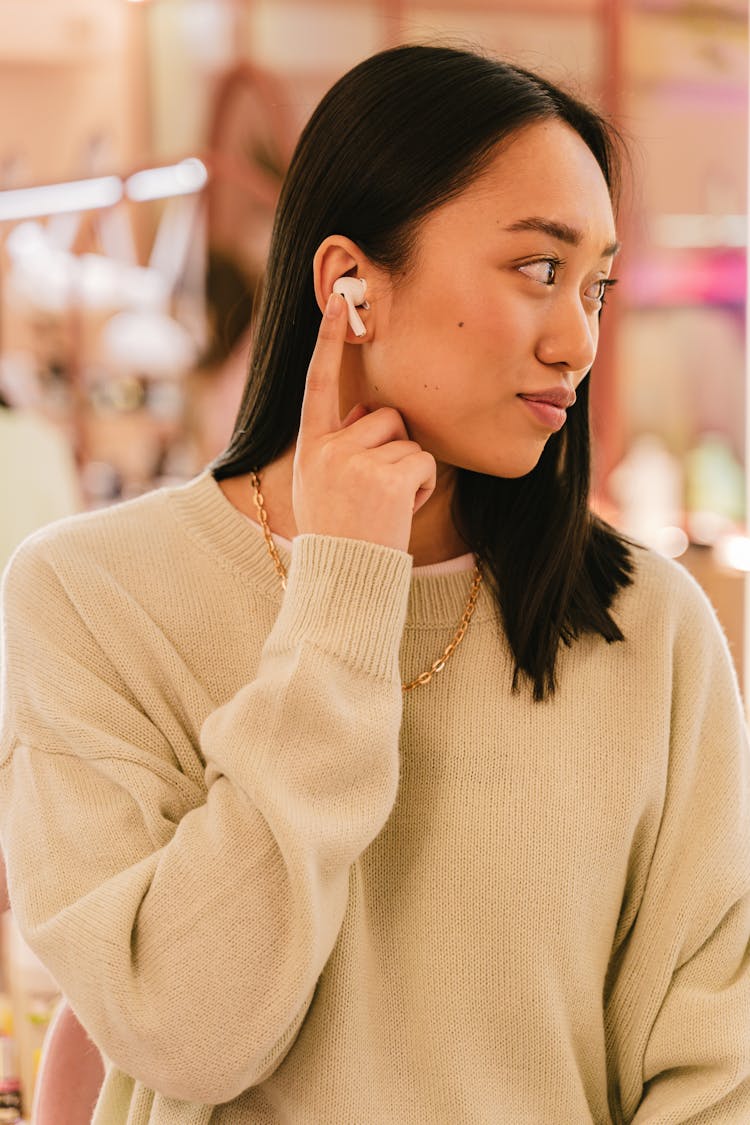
[(320, 405)]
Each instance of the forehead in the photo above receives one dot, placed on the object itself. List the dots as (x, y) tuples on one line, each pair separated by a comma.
[(546, 169)]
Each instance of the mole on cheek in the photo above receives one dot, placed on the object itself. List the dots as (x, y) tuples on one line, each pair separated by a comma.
[(460, 324)]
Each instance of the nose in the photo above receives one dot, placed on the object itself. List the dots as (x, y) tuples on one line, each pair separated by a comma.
[(569, 336)]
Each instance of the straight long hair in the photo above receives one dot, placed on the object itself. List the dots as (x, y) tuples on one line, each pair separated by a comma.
[(397, 136)]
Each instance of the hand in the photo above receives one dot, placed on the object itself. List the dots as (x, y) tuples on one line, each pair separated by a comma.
[(360, 478)]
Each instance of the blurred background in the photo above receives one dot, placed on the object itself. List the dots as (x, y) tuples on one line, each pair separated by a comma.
[(142, 147)]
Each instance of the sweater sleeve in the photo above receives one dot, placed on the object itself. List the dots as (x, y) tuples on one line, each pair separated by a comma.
[(188, 924), (678, 1012)]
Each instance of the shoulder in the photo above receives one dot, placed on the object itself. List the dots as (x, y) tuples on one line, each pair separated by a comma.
[(666, 609), (135, 545), (78, 543), (662, 589), (176, 555)]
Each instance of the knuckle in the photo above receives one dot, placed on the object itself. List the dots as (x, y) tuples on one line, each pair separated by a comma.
[(327, 453), (428, 464), (391, 415), (314, 383), (393, 484)]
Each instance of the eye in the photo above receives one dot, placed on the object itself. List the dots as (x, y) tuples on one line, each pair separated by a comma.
[(598, 291), (544, 270)]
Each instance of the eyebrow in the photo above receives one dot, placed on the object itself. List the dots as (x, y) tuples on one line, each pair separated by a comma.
[(560, 231)]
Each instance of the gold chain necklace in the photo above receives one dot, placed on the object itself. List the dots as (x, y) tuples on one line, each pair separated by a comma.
[(437, 665)]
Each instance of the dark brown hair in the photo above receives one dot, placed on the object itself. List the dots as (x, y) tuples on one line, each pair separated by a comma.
[(397, 136)]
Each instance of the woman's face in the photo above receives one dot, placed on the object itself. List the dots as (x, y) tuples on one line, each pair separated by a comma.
[(484, 341)]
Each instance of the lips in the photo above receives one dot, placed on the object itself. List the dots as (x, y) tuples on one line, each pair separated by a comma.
[(561, 397), (548, 407)]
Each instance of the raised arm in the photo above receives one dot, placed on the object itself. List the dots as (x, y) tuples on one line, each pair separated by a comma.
[(361, 477), (187, 921)]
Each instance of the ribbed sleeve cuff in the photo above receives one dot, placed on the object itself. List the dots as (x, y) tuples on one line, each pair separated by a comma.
[(348, 597)]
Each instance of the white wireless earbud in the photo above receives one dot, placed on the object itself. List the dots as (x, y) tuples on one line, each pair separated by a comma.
[(353, 290)]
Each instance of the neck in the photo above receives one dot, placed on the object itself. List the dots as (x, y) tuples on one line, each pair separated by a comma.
[(434, 537)]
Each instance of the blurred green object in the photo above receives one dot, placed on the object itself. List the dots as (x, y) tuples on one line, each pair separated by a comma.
[(715, 480)]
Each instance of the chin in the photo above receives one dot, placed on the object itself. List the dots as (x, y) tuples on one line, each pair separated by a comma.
[(512, 467)]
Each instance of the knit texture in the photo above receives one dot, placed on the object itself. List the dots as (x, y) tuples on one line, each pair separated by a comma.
[(277, 891)]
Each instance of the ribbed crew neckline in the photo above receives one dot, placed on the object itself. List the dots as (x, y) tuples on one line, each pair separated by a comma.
[(435, 600)]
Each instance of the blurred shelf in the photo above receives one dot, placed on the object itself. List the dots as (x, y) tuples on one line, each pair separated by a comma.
[(50, 33), (735, 10)]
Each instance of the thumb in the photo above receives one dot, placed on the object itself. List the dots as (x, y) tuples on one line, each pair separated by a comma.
[(354, 415)]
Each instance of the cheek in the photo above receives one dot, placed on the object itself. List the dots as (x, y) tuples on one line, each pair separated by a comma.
[(412, 348), (421, 314), (452, 347), (496, 337), (465, 322)]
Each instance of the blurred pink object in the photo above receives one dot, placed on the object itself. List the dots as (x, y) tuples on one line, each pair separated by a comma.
[(70, 1073)]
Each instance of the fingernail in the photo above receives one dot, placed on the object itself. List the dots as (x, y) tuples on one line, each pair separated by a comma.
[(335, 305)]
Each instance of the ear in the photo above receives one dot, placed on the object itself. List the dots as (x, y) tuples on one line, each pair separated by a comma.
[(337, 256)]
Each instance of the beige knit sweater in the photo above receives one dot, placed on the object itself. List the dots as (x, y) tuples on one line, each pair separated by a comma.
[(274, 891)]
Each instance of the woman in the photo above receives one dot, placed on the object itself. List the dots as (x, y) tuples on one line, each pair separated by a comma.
[(332, 826)]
